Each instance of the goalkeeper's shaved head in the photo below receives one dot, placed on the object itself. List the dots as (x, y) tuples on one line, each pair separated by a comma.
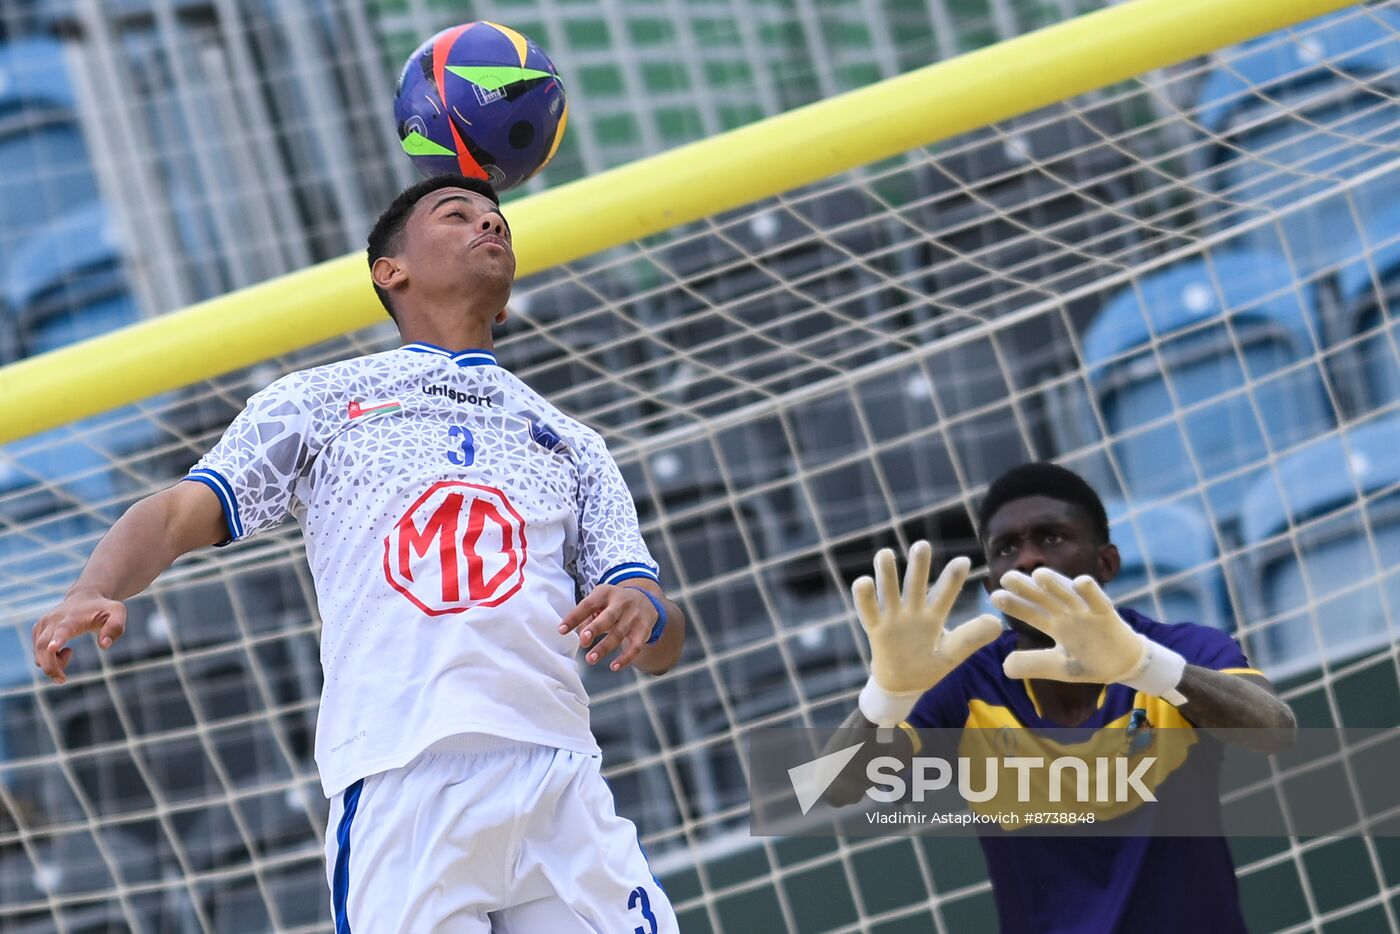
[(1049, 480)]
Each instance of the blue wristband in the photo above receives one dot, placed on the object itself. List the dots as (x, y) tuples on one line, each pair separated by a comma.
[(660, 626)]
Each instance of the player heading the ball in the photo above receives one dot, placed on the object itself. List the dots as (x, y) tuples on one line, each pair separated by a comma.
[(449, 513)]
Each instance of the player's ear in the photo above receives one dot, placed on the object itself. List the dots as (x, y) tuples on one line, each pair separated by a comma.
[(388, 273), (1110, 562), (502, 315)]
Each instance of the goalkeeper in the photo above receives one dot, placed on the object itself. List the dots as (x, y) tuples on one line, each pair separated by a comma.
[(1070, 659)]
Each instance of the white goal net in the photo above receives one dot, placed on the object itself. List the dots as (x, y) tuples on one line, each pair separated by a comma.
[(1178, 286)]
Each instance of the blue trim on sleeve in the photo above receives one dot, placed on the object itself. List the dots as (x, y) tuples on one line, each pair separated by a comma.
[(621, 572), (340, 891), (224, 490)]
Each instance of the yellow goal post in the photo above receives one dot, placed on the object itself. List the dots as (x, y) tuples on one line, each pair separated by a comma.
[(630, 202)]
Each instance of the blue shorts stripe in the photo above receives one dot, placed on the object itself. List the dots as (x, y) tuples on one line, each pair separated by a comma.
[(340, 889)]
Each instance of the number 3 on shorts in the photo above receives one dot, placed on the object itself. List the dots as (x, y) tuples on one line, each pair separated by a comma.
[(638, 899)]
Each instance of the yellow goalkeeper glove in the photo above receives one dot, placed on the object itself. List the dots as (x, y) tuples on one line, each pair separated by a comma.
[(909, 650), (1092, 643)]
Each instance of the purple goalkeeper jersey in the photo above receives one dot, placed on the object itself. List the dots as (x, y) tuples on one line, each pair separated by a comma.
[(1098, 885)]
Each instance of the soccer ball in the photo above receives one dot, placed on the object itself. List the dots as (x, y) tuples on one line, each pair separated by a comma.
[(480, 100)]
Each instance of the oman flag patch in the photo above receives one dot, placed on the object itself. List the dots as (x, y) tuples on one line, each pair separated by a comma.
[(359, 408)]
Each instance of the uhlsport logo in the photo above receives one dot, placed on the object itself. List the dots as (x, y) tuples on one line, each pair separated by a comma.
[(456, 395), (460, 545)]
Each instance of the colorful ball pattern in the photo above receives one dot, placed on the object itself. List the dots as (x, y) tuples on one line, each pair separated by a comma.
[(481, 100)]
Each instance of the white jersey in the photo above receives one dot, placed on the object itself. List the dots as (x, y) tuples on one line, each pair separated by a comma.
[(448, 510)]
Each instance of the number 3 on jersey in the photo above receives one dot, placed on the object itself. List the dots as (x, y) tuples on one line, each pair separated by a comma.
[(461, 449), (459, 545)]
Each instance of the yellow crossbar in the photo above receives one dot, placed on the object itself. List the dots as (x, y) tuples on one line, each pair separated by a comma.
[(650, 195)]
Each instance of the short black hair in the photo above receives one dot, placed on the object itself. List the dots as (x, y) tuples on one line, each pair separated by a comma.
[(386, 237), (1044, 479)]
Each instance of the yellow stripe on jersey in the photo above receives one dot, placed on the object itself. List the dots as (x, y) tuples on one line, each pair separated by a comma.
[(992, 733), (913, 735), (1242, 671)]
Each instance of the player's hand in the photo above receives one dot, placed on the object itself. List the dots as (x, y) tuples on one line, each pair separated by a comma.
[(80, 612), (612, 617), (909, 650), (1092, 642)]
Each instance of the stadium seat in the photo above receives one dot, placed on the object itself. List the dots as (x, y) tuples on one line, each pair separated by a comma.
[(1368, 330), (746, 302), (18, 885), (164, 743), (66, 865), (1194, 390), (1364, 48), (1323, 532), (295, 894), (628, 737), (1029, 212), (65, 285), (9, 337), (1162, 541), (899, 442), (569, 341), (1299, 117), (44, 165), (1005, 203)]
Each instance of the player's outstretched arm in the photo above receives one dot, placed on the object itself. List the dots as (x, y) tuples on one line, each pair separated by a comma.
[(635, 617), (910, 652), (1094, 645), (1242, 709), (143, 542)]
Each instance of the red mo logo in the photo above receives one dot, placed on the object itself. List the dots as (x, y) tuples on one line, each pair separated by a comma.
[(458, 546)]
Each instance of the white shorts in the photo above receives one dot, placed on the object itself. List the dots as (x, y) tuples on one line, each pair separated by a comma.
[(482, 834)]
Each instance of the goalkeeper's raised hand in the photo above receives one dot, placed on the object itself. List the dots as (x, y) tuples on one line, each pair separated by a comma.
[(1092, 643), (909, 650)]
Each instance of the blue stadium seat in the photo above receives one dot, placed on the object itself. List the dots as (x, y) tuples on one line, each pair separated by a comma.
[(32, 71), (44, 164), (64, 277), (64, 284), (1009, 200), (67, 284), (1162, 541), (1296, 117), (1369, 331), (1330, 587), (1362, 47), (1171, 331)]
